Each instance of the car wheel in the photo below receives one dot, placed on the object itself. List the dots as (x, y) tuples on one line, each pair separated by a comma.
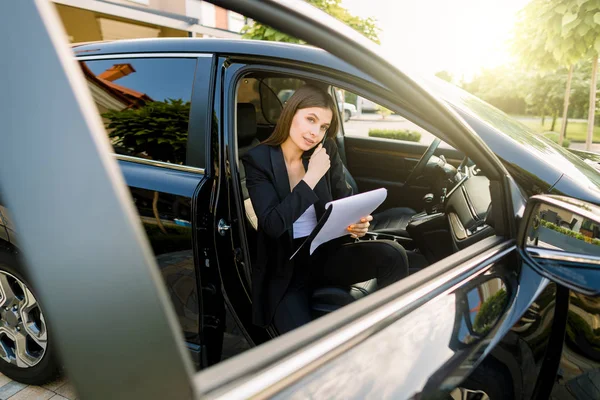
[(346, 115), (26, 354)]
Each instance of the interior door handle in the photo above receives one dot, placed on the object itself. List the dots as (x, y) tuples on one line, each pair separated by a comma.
[(222, 227)]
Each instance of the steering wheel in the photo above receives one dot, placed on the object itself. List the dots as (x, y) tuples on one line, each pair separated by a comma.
[(422, 163)]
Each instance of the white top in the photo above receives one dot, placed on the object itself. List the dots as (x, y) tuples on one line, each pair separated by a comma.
[(305, 224)]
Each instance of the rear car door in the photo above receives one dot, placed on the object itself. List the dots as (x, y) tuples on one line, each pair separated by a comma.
[(146, 102)]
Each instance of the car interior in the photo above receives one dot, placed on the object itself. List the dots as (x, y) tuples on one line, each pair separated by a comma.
[(438, 201)]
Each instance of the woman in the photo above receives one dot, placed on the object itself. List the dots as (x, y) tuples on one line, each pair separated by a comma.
[(290, 177)]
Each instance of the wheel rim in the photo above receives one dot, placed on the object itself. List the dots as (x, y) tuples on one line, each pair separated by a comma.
[(23, 334)]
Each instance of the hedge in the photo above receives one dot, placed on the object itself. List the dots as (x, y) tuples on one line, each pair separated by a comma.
[(554, 137), (396, 134), (570, 233)]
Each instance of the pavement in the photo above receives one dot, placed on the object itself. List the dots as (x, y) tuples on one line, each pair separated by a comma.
[(60, 389), (581, 146)]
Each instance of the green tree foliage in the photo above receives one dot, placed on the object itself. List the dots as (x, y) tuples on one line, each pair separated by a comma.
[(158, 129), (554, 33), (499, 87), (490, 311), (544, 92), (519, 91), (445, 75), (366, 26)]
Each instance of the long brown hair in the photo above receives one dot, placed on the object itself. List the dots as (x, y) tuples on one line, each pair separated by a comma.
[(305, 97)]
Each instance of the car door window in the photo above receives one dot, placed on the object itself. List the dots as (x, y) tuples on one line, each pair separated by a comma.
[(365, 118), (144, 104)]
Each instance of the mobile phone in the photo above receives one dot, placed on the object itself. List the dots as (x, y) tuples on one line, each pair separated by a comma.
[(324, 139)]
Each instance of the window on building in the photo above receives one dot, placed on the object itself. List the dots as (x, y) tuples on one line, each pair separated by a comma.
[(235, 21), (208, 15), (193, 8), (144, 103)]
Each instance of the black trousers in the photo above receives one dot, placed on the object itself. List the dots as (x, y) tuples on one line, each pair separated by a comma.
[(341, 262)]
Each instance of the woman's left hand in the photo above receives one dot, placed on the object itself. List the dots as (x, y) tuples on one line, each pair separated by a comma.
[(360, 228)]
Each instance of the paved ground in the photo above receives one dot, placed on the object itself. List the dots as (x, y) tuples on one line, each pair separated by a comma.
[(581, 146), (360, 126), (58, 390)]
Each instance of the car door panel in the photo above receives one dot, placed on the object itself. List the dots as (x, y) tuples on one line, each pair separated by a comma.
[(425, 341), (441, 342), (375, 163), (163, 198)]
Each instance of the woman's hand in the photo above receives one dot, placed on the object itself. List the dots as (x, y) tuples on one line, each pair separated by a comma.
[(360, 228), (317, 166)]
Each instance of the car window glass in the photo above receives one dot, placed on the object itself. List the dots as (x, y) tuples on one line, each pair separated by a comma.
[(365, 118), (144, 104)]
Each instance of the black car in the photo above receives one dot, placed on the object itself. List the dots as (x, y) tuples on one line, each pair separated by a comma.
[(495, 310)]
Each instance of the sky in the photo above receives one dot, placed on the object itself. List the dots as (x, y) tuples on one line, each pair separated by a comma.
[(459, 36)]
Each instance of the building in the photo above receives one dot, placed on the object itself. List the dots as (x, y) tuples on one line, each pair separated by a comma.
[(92, 20)]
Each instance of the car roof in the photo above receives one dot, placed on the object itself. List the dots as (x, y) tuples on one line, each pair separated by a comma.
[(242, 47)]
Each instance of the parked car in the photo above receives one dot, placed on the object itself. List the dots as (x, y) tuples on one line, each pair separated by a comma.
[(366, 105), (495, 311), (348, 110)]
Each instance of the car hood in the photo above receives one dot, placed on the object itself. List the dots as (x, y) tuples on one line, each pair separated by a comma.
[(523, 144)]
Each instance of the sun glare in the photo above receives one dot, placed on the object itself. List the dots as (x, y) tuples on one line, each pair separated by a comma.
[(462, 36)]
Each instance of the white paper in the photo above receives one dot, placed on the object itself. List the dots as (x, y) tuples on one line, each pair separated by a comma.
[(345, 212)]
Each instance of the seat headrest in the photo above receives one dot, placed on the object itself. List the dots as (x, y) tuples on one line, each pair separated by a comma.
[(246, 123)]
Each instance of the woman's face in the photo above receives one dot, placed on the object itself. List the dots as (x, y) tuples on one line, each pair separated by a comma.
[(309, 125)]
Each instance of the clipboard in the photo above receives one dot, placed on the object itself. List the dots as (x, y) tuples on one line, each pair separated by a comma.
[(341, 213)]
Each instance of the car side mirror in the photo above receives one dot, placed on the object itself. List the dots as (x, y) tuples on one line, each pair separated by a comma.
[(560, 238)]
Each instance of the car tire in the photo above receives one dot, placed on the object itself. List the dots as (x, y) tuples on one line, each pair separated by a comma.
[(346, 115), (34, 362)]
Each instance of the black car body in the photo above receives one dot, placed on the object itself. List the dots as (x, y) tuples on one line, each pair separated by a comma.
[(517, 345)]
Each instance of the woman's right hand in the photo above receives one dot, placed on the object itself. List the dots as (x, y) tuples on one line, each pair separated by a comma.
[(318, 166)]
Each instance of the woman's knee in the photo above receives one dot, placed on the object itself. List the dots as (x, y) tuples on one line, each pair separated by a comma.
[(292, 312), (394, 260)]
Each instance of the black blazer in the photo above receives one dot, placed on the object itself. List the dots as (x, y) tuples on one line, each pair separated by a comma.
[(277, 208)]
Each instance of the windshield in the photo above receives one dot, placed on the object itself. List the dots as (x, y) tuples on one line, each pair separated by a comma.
[(544, 148)]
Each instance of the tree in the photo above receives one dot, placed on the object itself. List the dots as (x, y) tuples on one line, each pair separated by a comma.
[(531, 45), (366, 26), (445, 75), (561, 32), (499, 86)]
